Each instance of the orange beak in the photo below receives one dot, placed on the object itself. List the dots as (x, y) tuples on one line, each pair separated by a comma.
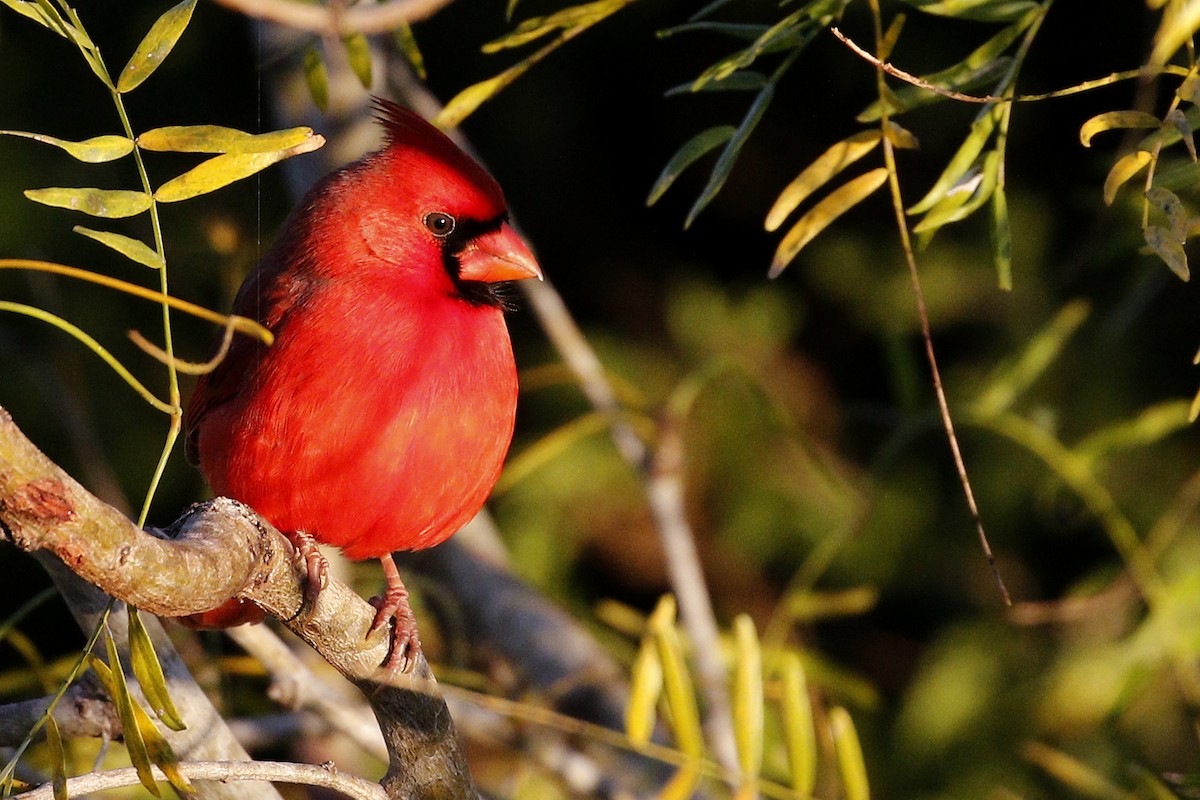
[(498, 255)]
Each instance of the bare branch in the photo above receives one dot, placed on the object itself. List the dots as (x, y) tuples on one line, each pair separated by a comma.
[(332, 19), (325, 776), (85, 711)]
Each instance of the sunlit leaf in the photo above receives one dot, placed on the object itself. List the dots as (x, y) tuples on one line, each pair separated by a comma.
[(691, 151), (580, 16), (316, 76), (406, 43), (747, 697), (793, 32), (820, 216), (851, 768), (799, 729), (1151, 425), (133, 249), (819, 172), (113, 678), (32, 11), (980, 10), (900, 137), (960, 163), (217, 139), (1169, 249), (645, 690), (358, 53), (463, 104), (1126, 167), (1115, 120), (148, 670), (682, 784), (963, 200), (725, 162), (223, 170), (890, 37), (156, 46), (677, 680), (94, 151), (110, 203), (1189, 90), (1175, 29)]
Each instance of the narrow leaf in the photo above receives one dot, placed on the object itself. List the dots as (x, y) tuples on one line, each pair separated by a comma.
[(822, 214), (32, 11), (851, 768), (978, 10), (545, 450), (535, 28), (1169, 249), (358, 52), (1181, 123), (967, 154), (118, 690), (962, 201), (1115, 120), (58, 759), (463, 104), (223, 170), (645, 690), (747, 698), (317, 77), (156, 46), (744, 80), (890, 37), (900, 137), (406, 43), (682, 784), (93, 151), (217, 139), (149, 673), (109, 203), (819, 172), (1126, 167), (799, 729), (733, 148), (677, 680), (1001, 238), (691, 151), (133, 249)]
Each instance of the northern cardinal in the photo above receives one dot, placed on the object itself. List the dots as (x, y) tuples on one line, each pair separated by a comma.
[(380, 417)]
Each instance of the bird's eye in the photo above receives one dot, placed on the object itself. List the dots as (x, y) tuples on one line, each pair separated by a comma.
[(439, 223)]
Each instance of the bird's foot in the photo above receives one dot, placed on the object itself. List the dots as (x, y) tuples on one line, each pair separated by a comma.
[(393, 605), (315, 563)]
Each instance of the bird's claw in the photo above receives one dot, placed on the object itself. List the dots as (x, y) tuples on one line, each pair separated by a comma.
[(316, 567), (405, 643)]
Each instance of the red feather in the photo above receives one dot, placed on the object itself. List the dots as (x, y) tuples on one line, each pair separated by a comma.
[(380, 417)]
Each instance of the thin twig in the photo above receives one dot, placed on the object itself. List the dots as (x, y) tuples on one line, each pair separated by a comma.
[(361, 18), (325, 776)]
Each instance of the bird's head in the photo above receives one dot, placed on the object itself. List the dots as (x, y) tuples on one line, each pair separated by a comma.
[(430, 212)]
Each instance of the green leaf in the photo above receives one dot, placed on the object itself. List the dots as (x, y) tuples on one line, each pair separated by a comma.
[(1001, 238), (691, 151), (793, 32), (740, 81), (820, 216), (96, 150), (979, 10), (851, 768), (463, 104), (1126, 167), (156, 46), (406, 43), (217, 139), (963, 159), (820, 172), (963, 200), (133, 249), (149, 673), (677, 680), (581, 16), (1116, 120), (1183, 125), (748, 709), (222, 170), (799, 730), (890, 37), (738, 30), (58, 759), (645, 690), (113, 678), (1169, 249), (545, 450), (110, 203), (1172, 208), (358, 52), (1151, 425), (725, 162), (317, 77)]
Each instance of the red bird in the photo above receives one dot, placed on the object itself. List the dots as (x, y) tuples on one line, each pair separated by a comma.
[(380, 417)]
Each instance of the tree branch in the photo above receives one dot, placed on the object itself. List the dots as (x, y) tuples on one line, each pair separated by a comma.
[(330, 19), (221, 550)]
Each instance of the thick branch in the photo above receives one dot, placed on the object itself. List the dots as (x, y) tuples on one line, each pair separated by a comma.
[(85, 711), (220, 550)]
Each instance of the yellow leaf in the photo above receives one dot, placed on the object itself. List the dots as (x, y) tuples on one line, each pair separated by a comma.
[(799, 731), (218, 139), (113, 678), (96, 150), (747, 698), (149, 673), (1115, 120), (110, 203), (644, 693), (463, 104), (225, 169), (133, 249), (1126, 167), (820, 216), (820, 172), (58, 759), (851, 768), (156, 46), (677, 680)]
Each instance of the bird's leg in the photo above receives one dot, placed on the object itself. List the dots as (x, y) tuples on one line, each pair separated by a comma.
[(393, 604), (316, 564)]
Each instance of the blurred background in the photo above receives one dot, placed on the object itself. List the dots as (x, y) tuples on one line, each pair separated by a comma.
[(818, 478)]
